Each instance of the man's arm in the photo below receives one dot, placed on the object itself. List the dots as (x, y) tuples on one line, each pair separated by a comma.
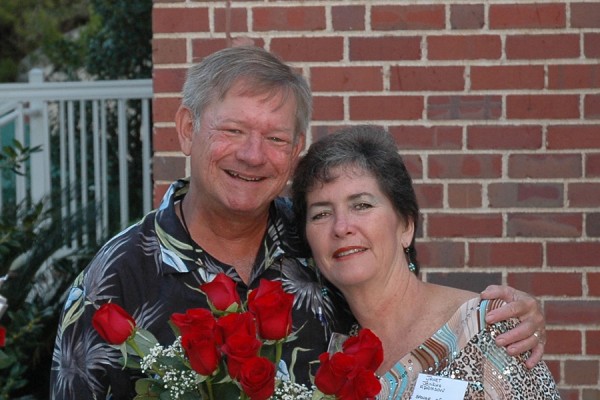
[(530, 334)]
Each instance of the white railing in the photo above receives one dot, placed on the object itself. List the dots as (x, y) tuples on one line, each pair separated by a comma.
[(84, 130)]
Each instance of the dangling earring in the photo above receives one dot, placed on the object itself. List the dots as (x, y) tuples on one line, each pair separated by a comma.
[(411, 265)]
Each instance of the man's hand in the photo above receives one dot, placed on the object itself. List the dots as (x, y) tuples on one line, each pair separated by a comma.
[(530, 334)]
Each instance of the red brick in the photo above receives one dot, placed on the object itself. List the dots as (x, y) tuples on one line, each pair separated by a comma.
[(592, 340), (165, 139), (464, 225), (328, 108), (585, 15), (578, 254), (385, 107), (542, 106), (168, 80), (406, 78), (584, 194), (507, 77), (441, 254), (545, 283), (562, 225), (544, 166), (569, 394), (464, 195), (527, 16), (467, 16), (237, 19), (465, 166), (385, 48), (500, 137), (305, 18), (407, 17), (414, 165), (320, 131), (525, 194), (505, 254), (562, 341), (308, 49), (581, 372), (592, 165), (174, 20), (429, 195), (574, 76), (591, 107), (464, 107), (159, 191), (338, 79), (348, 18), (592, 225), (427, 137), (473, 281), (168, 168), (593, 280), (555, 369), (204, 47), (169, 51), (540, 47), (586, 312), (560, 137), (472, 47), (591, 45), (164, 109)]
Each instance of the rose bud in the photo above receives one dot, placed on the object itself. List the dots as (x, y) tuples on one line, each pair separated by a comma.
[(272, 308), (257, 378), (113, 323), (221, 292)]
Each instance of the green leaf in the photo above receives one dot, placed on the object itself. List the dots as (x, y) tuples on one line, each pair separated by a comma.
[(6, 360)]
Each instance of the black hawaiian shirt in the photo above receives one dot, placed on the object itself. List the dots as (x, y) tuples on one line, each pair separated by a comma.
[(153, 270)]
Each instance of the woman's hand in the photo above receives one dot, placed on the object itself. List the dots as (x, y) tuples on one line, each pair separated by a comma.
[(530, 334)]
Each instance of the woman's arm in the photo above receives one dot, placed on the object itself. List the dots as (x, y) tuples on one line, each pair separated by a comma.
[(530, 333)]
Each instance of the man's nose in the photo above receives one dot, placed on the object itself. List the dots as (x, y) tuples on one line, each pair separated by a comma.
[(252, 150)]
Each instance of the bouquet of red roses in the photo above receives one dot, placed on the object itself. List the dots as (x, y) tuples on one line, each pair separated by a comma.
[(232, 350)]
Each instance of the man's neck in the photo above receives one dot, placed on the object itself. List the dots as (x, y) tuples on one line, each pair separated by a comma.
[(232, 239)]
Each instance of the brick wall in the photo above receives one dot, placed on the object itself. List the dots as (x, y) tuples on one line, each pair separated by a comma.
[(496, 107)]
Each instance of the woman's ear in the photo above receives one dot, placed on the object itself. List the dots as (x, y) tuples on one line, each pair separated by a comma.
[(408, 233), (184, 123)]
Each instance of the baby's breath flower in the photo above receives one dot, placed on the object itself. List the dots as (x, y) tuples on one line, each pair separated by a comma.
[(292, 391)]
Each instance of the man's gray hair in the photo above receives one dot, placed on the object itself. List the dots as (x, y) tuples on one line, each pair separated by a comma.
[(261, 73)]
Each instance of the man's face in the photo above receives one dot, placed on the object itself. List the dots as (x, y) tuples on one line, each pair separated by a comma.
[(244, 152)]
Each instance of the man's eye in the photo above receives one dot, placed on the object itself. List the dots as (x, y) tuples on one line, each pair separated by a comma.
[(276, 139)]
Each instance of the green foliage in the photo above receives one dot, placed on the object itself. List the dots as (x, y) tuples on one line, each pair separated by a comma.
[(35, 276)]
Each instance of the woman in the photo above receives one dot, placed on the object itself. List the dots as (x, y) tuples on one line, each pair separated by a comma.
[(360, 214)]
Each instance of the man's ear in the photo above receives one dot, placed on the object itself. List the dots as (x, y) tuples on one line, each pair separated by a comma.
[(184, 123), (299, 146)]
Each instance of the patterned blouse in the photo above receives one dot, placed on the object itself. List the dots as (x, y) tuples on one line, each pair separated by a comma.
[(464, 348), (152, 270)]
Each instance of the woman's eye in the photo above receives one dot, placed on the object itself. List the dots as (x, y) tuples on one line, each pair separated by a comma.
[(318, 216), (362, 206)]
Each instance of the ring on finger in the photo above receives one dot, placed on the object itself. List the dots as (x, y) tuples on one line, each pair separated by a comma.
[(540, 337)]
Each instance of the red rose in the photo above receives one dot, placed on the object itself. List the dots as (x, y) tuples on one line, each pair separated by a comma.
[(363, 385), (2, 336), (236, 323), (201, 349), (366, 348), (221, 292), (239, 348), (257, 378), (272, 308), (194, 319), (334, 372), (113, 323)]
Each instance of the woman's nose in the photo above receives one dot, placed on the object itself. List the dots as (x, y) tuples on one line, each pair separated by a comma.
[(342, 226)]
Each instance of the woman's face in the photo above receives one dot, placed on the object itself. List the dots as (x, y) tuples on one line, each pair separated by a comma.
[(355, 233)]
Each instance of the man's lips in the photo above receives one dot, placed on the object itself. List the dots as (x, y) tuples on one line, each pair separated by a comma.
[(243, 177), (346, 251)]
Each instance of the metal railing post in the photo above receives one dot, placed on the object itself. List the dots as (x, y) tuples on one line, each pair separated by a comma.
[(39, 136)]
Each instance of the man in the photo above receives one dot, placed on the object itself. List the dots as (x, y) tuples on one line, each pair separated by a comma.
[(242, 121)]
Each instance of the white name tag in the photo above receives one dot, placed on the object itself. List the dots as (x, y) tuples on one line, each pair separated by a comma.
[(429, 387)]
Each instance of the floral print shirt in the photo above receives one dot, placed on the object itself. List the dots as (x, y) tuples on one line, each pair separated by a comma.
[(153, 269)]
